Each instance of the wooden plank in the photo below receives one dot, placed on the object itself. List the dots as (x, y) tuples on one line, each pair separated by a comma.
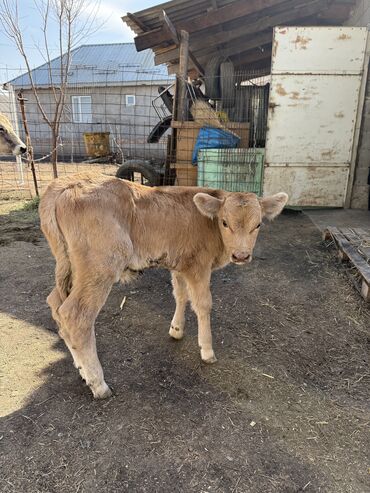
[(364, 246), (292, 11), (365, 291), (137, 21), (360, 239), (224, 14), (196, 64), (171, 28), (176, 39), (337, 13), (252, 56), (363, 234), (263, 66), (357, 260), (350, 235), (242, 45)]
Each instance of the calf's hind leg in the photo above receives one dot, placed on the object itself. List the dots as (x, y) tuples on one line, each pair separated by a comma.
[(77, 317), (181, 296)]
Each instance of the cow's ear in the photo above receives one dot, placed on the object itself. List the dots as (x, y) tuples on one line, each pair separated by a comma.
[(272, 206), (207, 205)]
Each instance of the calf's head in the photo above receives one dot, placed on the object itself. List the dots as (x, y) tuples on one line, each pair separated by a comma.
[(239, 217), (10, 143)]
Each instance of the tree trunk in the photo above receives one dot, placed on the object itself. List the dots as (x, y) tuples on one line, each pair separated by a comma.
[(54, 154)]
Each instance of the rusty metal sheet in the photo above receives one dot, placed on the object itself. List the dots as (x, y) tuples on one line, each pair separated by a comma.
[(316, 76), (311, 119), (326, 50), (320, 186)]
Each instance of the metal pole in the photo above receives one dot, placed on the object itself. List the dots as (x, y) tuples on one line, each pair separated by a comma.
[(16, 128)]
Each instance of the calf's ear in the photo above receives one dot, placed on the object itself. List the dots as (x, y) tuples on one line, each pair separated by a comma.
[(207, 205), (272, 205)]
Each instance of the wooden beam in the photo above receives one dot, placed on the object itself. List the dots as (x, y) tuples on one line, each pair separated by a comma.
[(196, 64), (212, 18), (171, 28), (137, 21), (263, 67), (241, 45), (256, 54), (175, 38), (167, 56), (197, 42), (336, 13), (252, 56)]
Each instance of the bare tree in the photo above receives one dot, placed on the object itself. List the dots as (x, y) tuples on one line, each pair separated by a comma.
[(71, 21)]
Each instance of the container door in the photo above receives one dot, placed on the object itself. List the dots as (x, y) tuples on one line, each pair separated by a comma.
[(316, 76)]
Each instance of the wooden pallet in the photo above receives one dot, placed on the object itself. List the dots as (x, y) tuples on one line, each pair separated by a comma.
[(354, 247)]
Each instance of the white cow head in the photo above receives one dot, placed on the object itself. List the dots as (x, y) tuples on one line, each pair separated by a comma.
[(10, 143)]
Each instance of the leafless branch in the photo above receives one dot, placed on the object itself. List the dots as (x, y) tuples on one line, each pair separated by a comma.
[(74, 21)]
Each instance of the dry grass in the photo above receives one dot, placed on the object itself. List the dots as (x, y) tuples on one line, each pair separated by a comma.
[(10, 181)]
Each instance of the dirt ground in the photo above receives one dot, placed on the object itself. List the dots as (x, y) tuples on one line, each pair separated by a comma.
[(285, 408)]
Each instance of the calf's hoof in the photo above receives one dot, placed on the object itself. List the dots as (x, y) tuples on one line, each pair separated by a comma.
[(81, 372), (176, 332), (208, 356), (102, 391)]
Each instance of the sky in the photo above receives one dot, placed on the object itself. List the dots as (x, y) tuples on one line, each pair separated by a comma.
[(111, 30)]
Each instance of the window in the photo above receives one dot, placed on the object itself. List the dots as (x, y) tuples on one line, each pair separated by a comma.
[(130, 100), (81, 109)]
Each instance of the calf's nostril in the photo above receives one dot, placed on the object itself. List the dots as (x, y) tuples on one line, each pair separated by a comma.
[(23, 149)]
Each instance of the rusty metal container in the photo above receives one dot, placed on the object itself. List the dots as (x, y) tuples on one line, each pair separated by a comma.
[(97, 144)]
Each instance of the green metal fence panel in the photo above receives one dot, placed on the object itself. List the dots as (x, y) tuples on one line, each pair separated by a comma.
[(234, 170)]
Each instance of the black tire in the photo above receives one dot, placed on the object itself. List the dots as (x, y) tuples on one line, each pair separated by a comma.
[(227, 84), (167, 98), (143, 168), (159, 130), (212, 77)]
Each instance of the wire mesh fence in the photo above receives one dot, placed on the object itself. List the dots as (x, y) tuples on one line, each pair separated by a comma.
[(122, 120)]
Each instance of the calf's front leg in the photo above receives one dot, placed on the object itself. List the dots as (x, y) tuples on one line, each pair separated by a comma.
[(201, 300)]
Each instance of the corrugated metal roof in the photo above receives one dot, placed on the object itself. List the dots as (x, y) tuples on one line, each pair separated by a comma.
[(234, 29), (100, 64)]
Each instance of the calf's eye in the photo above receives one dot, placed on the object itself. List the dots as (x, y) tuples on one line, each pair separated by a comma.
[(224, 223)]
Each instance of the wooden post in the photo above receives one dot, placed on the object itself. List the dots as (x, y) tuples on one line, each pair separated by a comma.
[(21, 100), (182, 76)]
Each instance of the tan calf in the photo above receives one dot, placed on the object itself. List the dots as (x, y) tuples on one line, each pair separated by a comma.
[(10, 143), (103, 229)]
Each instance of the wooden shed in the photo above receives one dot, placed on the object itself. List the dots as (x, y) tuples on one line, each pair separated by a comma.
[(258, 38), (238, 29)]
